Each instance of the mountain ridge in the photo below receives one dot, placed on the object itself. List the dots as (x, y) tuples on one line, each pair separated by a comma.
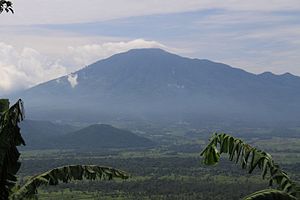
[(147, 82)]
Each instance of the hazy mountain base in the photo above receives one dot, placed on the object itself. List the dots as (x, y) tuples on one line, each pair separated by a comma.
[(167, 172), (49, 135)]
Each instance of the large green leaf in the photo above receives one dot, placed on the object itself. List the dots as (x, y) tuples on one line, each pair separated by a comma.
[(66, 174), (250, 158), (270, 194), (10, 138), (4, 105)]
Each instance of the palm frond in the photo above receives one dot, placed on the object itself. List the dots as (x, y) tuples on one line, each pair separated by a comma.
[(10, 138), (269, 194), (66, 174), (249, 158)]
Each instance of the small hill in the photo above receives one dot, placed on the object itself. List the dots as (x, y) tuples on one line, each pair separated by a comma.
[(102, 136), (38, 133)]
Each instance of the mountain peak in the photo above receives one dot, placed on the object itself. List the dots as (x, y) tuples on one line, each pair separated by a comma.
[(142, 52), (287, 74), (147, 50), (267, 74)]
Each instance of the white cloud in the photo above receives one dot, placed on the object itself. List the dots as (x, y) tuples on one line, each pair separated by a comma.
[(21, 68), (70, 11), (232, 18), (24, 68), (72, 78), (87, 54)]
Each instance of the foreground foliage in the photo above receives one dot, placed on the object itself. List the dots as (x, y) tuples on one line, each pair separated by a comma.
[(10, 138), (66, 174), (270, 194), (251, 158), (6, 6)]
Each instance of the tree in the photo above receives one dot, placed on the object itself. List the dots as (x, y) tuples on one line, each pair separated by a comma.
[(10, 138), (6, 6), (251, 158)]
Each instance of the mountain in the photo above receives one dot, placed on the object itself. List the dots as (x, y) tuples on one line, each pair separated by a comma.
[(152, 84), (102, 136)]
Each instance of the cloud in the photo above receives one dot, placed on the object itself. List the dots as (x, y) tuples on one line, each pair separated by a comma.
[(87, 54), (25, 67), (72, 78), (254, 41), (70, 11), (22, 68)]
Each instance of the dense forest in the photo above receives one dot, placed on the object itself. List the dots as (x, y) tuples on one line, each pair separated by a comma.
[(170, 172)]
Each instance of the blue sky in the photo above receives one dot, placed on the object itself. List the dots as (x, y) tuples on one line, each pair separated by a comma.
[(47, 39)]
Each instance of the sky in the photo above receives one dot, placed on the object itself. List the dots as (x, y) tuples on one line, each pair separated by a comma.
[(46, 39)]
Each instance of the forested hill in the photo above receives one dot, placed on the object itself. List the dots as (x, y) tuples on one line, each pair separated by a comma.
[(48, 135), (103, 136), (155, 84)]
